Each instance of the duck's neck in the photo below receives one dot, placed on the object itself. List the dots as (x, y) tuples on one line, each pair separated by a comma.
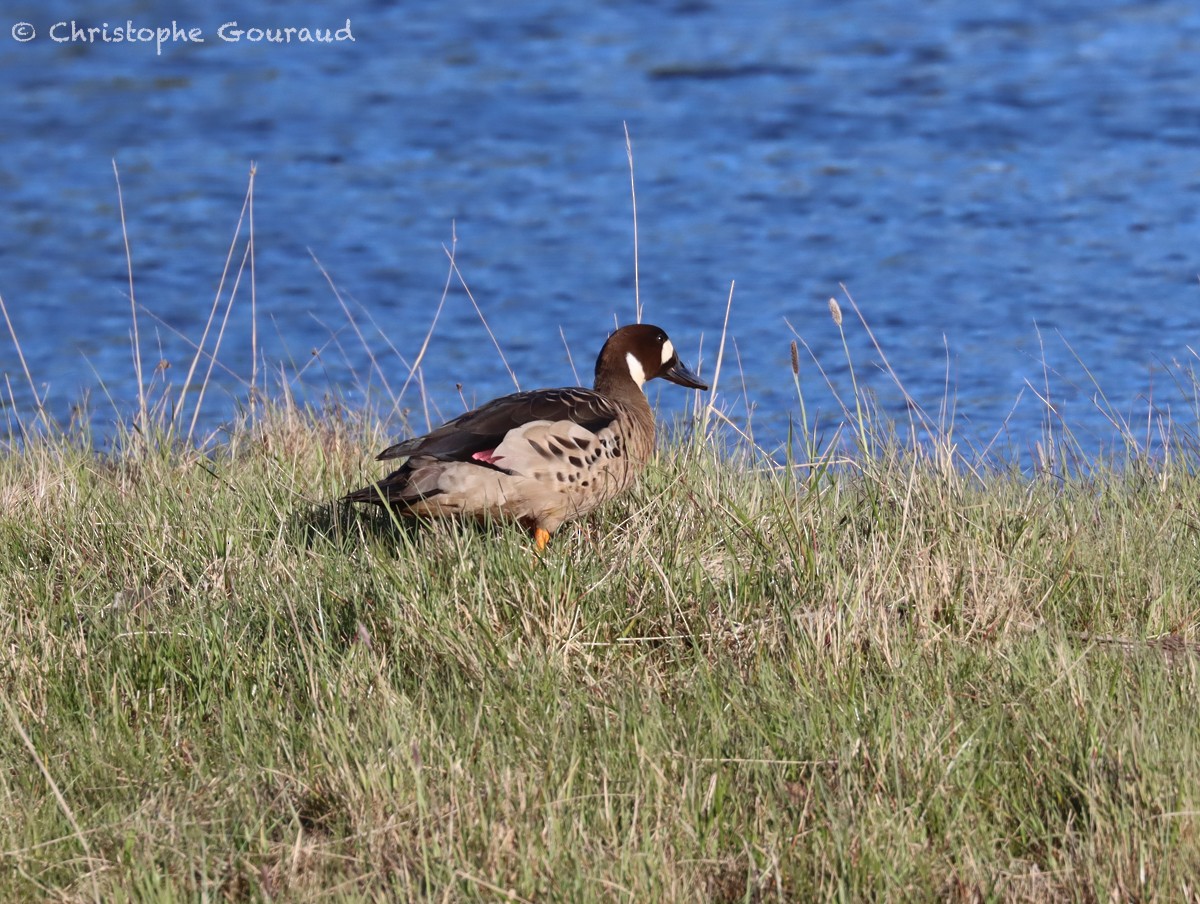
[(621, 388)]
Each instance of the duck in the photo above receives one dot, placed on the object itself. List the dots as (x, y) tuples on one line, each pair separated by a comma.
[(540, 457)]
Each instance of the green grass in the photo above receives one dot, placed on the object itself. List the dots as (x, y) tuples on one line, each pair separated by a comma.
[(893, 680)]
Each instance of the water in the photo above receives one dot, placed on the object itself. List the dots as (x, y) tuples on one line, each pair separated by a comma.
[(1004, 190)]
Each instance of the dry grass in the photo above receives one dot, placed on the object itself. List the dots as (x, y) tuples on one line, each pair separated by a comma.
[(890, 680)]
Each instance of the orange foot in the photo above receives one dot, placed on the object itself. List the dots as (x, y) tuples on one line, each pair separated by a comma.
[(541, 538)]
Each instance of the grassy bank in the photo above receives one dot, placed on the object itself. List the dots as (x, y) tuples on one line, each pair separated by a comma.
[(887, 679)]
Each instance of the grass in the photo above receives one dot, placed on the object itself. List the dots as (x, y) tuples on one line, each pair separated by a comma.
[(885, 672), (890, 681)]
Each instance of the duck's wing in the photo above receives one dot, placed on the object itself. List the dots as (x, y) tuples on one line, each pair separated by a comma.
[(478, 432)]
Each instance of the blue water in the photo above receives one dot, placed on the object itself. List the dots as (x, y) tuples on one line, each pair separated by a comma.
[(1009, 191)]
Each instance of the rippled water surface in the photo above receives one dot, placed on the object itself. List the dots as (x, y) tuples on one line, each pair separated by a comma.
[(1009, 191)]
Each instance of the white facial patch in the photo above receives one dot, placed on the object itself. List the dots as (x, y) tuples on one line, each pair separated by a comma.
[(635, 369), (668, 351)]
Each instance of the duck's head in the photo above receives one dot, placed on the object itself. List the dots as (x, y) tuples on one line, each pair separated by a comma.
[(641, 352)]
